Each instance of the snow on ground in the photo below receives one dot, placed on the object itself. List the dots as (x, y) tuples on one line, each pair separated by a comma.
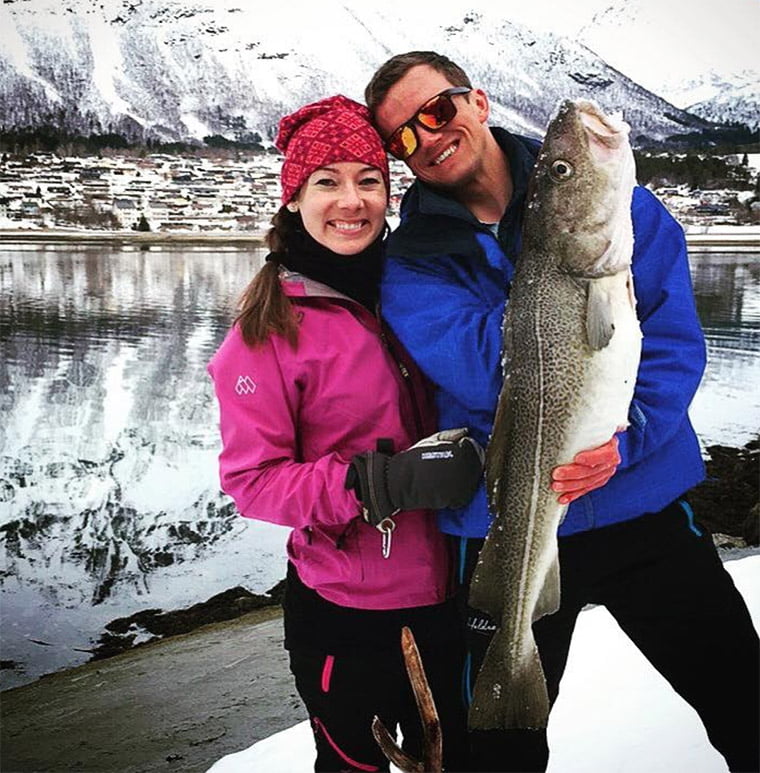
[(615, 713)]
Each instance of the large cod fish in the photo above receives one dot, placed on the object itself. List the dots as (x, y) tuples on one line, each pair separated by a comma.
[(571, 352)]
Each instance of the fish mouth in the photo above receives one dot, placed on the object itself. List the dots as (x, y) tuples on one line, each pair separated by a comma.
[(609, 130)]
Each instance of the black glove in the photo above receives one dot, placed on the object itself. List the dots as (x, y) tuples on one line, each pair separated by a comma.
[(443, 470)]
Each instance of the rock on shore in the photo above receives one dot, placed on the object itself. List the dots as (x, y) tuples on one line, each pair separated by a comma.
[(152, 624), (727, 503)]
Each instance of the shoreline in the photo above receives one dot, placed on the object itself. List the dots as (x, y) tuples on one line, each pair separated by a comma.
[(734, 237), (719, 237), (143, 238), (179, 704)]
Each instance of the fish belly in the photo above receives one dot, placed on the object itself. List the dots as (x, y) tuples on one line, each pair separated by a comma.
[(609, 377)]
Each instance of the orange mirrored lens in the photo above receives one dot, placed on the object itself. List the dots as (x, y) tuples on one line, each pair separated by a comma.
[(436, 113), (403, 142)]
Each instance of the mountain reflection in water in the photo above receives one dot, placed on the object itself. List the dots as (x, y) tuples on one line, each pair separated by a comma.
[(109, 497)]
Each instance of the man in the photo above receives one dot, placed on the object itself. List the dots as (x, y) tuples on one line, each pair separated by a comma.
[(628, 540)]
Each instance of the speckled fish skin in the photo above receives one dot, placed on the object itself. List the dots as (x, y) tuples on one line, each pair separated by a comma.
[(571, 352)]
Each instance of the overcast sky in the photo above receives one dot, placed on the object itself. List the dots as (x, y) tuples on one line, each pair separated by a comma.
[(655, 42)]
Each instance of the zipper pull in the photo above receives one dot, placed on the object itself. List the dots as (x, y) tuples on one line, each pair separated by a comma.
[(386, 527)]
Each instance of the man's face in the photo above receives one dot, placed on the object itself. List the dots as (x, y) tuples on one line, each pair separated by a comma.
[(448, 157)]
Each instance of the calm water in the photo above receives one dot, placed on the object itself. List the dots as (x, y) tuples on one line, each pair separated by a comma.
[(726, 409), (109, 499)]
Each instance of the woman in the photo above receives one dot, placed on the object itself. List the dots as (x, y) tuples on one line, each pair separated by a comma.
[(318, 409)]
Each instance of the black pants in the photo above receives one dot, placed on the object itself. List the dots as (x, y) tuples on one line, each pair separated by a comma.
[(663, 582), (343, 693)]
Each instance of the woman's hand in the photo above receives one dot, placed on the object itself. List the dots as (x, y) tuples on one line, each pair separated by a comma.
[(443, 470)]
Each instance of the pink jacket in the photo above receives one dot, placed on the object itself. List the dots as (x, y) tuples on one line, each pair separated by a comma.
[(291, 420)]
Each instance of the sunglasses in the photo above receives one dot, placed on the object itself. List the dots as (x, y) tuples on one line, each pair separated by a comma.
[(433, 116)]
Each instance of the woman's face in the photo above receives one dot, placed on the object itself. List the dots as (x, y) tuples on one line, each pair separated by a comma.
[(343, 206)]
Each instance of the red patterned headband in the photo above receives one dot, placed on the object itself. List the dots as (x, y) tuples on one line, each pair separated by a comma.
[(333, 129)]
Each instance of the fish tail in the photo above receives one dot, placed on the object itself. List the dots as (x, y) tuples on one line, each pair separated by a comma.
[(509, 693)]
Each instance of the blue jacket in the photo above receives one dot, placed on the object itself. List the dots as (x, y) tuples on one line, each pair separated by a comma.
[(444, 290)]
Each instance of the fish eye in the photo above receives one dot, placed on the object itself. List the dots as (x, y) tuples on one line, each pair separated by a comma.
[(561, 170)]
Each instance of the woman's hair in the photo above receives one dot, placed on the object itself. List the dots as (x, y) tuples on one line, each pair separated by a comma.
[(263, 308)]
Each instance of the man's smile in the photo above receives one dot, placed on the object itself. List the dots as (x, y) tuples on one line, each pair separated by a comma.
[(446, 154)]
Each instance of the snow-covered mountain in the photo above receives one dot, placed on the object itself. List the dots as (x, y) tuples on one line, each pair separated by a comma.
[(734, 104), (179, 69), (698, 56)]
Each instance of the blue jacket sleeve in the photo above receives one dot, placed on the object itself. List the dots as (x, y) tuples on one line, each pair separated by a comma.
[(450, 325), (673, 347)]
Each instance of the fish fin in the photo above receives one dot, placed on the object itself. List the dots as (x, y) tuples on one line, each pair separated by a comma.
[(549, 599), (509, 695), (631, 291), (496, 450), (600, 324), (487, 594)]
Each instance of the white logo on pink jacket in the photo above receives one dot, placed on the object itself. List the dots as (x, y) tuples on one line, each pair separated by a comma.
[(245, 385)]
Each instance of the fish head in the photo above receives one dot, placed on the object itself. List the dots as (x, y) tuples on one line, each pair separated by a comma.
[(579, 198)]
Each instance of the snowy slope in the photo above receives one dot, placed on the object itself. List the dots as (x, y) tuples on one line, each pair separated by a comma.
[(699, 56), (683, 51), (614, 712), (173, 69), (735, 104)]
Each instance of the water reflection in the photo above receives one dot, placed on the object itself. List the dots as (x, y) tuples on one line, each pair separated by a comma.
[(109, 498), (726, 409), (726, 289)]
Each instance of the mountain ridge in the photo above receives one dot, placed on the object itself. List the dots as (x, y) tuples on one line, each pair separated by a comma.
[(174, 70)]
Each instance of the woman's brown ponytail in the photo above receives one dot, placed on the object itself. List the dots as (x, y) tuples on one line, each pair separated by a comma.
[(264, 309)]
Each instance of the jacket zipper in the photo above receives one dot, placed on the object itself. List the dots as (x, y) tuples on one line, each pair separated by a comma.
[(343, 536), (407, 380)]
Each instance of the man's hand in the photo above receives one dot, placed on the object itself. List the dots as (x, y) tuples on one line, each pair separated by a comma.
[(589, 470)]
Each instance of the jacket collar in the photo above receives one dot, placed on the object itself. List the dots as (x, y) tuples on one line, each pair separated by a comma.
[(297, 285), (300, 286)]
